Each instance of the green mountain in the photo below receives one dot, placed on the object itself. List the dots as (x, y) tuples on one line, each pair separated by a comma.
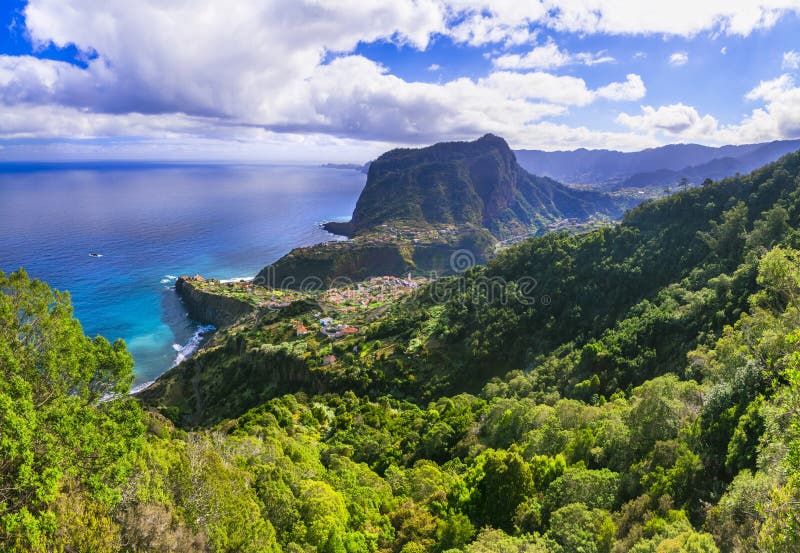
[(457, 183), (632, 388), (419, 206)]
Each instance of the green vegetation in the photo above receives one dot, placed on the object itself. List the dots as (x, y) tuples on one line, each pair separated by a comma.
[(643, 396)]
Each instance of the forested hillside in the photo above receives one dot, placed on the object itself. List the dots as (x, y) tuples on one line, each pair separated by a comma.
[(633, 388)]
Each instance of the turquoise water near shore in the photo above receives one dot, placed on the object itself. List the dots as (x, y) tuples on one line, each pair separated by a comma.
[(152, 223)]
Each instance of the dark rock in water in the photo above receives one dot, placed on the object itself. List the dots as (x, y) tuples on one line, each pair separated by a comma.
[(339, 228)]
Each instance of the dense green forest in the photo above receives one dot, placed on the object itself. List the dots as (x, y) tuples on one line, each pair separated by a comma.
[(641, 393)]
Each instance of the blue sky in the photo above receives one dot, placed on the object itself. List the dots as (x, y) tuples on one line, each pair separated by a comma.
[(318, 80)]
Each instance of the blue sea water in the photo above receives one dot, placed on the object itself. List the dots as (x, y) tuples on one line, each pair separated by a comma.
[(152, 223)]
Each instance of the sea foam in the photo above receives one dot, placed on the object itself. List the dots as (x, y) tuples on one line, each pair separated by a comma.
[(185, 351)]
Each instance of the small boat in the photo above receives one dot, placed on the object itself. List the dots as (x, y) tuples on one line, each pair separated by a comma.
[(94, 254)]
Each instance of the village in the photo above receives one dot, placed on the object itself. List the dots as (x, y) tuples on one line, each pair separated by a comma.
[(394, 234)]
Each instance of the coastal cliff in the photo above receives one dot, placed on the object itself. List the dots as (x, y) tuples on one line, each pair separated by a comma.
[(210, 308)]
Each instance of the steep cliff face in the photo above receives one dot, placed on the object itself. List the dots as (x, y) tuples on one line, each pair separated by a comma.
[(206, 308), (457, 183)]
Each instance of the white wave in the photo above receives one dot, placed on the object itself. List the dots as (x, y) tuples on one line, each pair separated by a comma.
[(169, 279), (139, 387), (186, 351)]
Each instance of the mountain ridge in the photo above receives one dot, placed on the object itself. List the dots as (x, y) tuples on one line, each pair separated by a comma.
[(652, 167)]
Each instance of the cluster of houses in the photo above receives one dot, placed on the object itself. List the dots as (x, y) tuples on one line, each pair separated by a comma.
[(418, 235), (374, 290), (328, 328), (331, 330)]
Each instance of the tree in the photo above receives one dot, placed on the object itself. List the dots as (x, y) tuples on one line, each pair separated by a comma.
[(500, 481), (579, 529), (727, 237), (65, 417), (593, 488)]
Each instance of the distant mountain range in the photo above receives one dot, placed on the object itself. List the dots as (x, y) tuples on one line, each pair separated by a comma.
[(655, 167)]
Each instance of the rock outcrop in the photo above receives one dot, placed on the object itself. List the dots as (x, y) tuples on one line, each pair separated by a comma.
[(207, 308)]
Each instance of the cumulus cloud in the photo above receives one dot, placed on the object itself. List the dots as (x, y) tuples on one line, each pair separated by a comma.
[(173, 66), (772, 89), (350, 96), (676, 119), (791, 60), (632, 89), (777, 118), (678, 58), (486, 21), (549, 56), (254, 68)]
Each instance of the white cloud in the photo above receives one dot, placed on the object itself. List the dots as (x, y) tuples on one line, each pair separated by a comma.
[(676, 119), (565, 90), (632, 89), (549, 56), (723, 50), (350, 96), (144, 76), (678, 58), (777, 119), (772, 89), (497, 21), (171, 71), (791, 60), (434, 67)]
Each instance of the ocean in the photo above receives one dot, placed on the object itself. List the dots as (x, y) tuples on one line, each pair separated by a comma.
[(152, 223)]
